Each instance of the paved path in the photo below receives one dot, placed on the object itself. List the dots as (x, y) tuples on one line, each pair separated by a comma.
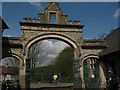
[(52, 85)]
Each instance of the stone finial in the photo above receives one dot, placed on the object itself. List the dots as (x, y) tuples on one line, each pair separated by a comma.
[(38, 20), (34, 19), (74, 22), (29, 19), (70, 21), (24, 19), (78, 22)]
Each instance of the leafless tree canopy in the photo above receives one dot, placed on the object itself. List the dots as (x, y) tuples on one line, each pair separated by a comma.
[(37, 54), (11, 61)]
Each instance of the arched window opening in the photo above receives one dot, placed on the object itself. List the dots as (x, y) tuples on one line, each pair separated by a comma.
[(52, 17), (91, 72)]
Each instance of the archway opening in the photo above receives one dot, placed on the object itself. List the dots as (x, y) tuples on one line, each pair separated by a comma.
[(49, 57), (91, 72), (10, 72)]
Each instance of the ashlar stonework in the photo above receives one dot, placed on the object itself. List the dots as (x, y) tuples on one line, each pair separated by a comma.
[(37, 29)]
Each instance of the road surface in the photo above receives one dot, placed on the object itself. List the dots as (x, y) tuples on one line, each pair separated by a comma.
[(52, 86)]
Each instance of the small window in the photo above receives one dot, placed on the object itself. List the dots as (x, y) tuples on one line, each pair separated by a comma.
[(53, 17)]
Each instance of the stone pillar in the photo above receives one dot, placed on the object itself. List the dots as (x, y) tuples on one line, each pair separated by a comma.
[(76, 71), (22, 76), (102, 73), (82, 75), (27, 76)]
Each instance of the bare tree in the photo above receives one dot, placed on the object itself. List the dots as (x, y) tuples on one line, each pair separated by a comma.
[(11, 61), (37, 54)]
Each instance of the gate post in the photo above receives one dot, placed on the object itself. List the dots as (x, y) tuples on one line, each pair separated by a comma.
[(27, 76), (82, 75), (22, 76), (76, 71), (102, 74)]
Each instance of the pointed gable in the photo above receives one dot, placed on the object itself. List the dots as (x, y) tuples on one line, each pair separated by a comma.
[(52, 9), (53, 6)]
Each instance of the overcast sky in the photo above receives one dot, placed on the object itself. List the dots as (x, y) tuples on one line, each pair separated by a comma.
[(98, 18)]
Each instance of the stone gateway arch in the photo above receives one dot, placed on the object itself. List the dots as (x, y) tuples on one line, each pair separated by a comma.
[(34, 30)]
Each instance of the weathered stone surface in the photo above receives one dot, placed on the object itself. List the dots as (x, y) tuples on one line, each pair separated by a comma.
[(12, 40), (101, 43), (76, 70), (69, 32)]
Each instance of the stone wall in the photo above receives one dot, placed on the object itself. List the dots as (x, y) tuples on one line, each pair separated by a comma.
[(69, 32), (11, 45), (30, 35)]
